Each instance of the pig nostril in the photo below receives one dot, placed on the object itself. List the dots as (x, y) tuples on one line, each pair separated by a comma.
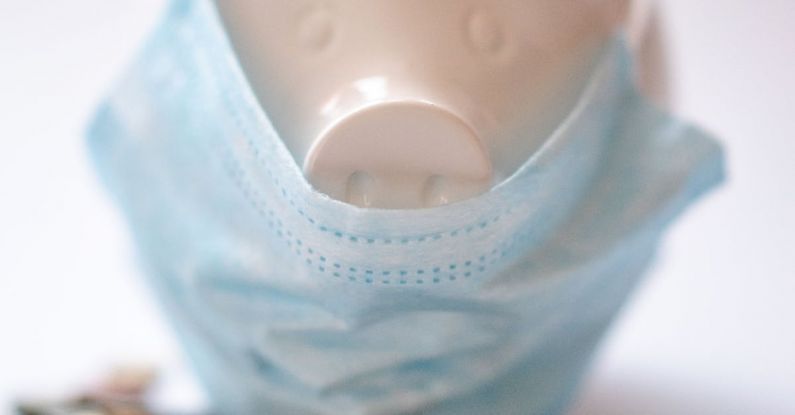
[(435, 191), (359, 189)]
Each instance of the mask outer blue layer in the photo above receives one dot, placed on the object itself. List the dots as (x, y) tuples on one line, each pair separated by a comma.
[(289, 302)]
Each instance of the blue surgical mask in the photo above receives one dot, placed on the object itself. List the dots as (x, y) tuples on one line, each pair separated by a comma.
[(289, 302)]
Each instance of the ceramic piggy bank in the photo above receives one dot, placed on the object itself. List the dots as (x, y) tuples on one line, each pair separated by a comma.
[(416, 103)]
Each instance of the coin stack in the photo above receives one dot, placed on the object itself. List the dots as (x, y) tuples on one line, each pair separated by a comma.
[(121, 392)]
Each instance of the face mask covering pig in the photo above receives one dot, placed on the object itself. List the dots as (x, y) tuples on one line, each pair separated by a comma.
[(290, 302)]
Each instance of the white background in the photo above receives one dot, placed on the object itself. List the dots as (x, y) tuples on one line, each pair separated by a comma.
[(712, 331)]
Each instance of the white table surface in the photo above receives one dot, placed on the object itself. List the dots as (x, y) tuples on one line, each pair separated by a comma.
[(711, 331)]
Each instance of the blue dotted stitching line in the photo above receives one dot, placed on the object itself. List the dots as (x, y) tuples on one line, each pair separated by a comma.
[(323, 264), (435, 275)]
